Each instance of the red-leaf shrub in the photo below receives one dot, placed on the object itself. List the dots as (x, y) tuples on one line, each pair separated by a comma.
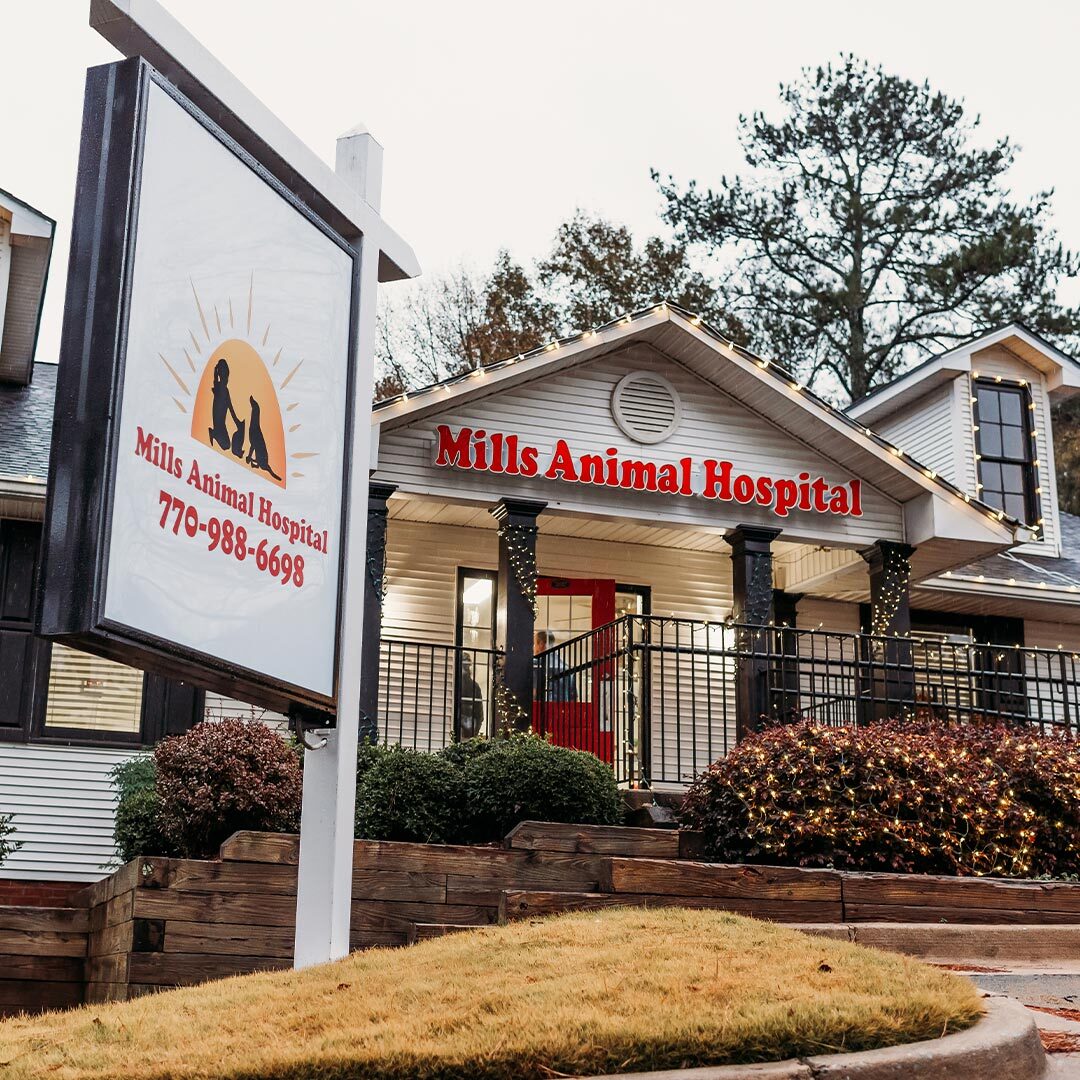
[(223, 776), (910, 796)]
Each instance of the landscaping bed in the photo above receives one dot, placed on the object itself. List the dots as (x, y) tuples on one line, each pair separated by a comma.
[(587, 993)]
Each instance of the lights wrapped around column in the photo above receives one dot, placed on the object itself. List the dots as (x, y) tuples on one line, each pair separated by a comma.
[(520, 541)]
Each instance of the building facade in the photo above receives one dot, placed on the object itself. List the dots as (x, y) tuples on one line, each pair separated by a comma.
[(642, 541)]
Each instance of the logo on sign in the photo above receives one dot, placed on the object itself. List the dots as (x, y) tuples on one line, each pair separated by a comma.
[(236, 409)]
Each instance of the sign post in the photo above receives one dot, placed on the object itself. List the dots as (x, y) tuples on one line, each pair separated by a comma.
[(207, 502), (324, 886)]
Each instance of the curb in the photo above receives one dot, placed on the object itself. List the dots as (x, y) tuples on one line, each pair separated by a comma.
[(1004, 1044)]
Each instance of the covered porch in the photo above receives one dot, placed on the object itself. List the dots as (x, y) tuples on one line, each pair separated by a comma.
[(657, 648)]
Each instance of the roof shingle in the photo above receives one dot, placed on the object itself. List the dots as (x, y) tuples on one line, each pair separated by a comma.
[(26, 416)]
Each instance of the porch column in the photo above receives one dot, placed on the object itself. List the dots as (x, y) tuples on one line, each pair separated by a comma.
[(892, 662), (516, 619), (752, 587), (374, 589)]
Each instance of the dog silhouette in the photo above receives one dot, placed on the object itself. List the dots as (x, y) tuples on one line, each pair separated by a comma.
[(257, 452)]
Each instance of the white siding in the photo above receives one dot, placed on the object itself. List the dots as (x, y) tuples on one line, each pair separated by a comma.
[(219, 707), (577, 404), (63, 807), (925, 431), (828, 615)]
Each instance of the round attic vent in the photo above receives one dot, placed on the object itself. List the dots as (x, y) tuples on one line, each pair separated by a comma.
[(646, 407)]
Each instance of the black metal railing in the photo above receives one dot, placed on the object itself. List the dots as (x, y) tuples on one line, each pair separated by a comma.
[(432, 694), (660, 698)]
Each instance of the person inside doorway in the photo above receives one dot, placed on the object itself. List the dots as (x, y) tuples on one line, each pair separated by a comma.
[(560, 684)]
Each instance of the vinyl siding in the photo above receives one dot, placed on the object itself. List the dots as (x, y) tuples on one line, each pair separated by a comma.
[(924, 431), (577, 403), (63, 806)]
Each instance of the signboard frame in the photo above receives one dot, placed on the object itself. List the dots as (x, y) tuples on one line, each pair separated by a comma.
[(90, 383)]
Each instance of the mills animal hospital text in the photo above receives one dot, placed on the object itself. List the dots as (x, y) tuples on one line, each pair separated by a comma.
[(162, 455), (711, 478)]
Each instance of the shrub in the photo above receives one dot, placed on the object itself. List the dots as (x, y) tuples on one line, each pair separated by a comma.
[(410, 795), (7, 845), (223, 776), (461, 753), (909, 796), (133, 775), (525, 778), (367, 753), (137, 828)]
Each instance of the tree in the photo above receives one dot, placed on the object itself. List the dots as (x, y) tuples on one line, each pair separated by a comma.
[(458, 322), (869, 228), (593, 273)]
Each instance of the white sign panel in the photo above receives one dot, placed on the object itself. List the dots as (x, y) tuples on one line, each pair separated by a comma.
[(225, 535)]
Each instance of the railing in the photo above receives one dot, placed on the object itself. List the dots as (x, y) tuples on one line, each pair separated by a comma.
[(431, 694), (659, 698)]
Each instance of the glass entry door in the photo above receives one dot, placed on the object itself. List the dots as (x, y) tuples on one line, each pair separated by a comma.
[(571, 679)]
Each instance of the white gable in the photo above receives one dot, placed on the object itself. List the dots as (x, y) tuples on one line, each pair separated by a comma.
[(576, 405)]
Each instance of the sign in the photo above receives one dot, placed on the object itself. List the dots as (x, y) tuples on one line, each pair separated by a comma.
[(709, 478), (202, 408)]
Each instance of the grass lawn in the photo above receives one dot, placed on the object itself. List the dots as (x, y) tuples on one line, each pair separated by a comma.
[(623, 989)]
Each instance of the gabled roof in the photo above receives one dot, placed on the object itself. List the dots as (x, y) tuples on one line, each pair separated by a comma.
[(762, 385), (1062, 371)]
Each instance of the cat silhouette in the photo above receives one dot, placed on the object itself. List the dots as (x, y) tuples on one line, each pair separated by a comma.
[(257, 452)]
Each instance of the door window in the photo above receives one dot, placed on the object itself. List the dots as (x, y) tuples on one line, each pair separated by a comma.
[(475, 673)]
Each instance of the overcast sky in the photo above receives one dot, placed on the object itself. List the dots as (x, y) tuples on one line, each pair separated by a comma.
[(499, 119)]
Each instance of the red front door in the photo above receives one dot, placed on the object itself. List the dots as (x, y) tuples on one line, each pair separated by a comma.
[(573, 682)]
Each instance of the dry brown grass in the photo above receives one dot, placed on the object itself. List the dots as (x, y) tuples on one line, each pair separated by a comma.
[(585, 993)]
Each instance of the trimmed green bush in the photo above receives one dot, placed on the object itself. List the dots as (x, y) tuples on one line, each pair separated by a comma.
[(525, 778), (410, 795), (137, 828), (138, 773), (914, 796), (223, 776), (461, 753), (367, 754)]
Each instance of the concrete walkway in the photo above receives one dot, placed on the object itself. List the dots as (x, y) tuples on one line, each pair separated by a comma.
[(1041, 987)]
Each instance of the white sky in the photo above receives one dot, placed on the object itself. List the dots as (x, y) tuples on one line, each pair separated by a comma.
[(499, 120)]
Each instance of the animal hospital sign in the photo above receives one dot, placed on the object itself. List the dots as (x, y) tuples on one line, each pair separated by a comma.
[(708, 478)]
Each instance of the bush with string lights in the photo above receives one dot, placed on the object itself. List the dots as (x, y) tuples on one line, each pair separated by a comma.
[(912, 796)]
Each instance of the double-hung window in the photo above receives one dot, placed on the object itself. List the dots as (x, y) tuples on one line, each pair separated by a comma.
[(1006, 449)]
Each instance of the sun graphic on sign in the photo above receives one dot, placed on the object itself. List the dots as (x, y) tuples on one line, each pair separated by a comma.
[(236, 405)]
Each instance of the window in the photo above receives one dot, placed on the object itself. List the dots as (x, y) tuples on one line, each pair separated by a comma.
[(88, 693), (474, 700), (1006, 450)]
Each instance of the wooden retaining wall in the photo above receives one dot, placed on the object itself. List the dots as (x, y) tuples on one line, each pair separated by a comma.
[(42, 956), (171, 922)]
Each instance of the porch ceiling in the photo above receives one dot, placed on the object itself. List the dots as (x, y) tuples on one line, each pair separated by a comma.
[(621, 531)]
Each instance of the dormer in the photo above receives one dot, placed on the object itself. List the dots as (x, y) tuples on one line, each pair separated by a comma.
[(26, 239), (979, 415)]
